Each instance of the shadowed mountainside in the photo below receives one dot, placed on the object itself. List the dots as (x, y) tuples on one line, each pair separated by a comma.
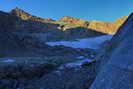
[(68, 22), (104, 27)]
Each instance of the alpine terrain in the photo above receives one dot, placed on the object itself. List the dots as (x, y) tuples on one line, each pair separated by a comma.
[(69, 53)]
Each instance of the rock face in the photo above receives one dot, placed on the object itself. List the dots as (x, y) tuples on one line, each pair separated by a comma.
[(116, 72), (73, 21), (107, 27), (104, 27)]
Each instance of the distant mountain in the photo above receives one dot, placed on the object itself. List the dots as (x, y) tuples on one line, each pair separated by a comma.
[(18, 28), (67, 28), (105, 27), (70, 22), (73, 21), (26, 16)]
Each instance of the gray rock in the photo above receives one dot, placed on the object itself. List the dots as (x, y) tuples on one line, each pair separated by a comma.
[(68, 78), (117, 70)]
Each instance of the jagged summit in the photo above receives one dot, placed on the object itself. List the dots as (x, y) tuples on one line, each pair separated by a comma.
[(15, 10), (72, 22), (21, 13), (26, 16), (69, 19)]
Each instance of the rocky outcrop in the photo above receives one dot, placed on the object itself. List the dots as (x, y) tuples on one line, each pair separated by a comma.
[(68, 78), (116, 62), (73, 21), (107, 27)]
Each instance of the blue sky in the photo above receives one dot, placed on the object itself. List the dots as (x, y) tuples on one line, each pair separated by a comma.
[(102, 10)]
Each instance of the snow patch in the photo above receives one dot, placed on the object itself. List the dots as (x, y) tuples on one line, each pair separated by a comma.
[(93, 42)]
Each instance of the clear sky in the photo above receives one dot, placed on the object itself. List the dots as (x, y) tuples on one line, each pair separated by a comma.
[(103, 10)]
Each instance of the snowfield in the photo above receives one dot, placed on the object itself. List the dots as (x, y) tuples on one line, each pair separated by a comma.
[(93, 43)]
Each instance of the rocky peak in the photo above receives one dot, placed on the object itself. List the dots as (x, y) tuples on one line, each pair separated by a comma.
[(67, 19), (21, 13), (73, 22), (100, 26), (26, 16)]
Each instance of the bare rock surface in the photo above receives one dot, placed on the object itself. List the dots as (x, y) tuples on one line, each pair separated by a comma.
[(116, 68)]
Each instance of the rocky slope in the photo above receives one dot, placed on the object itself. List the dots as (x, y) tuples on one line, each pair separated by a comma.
[(104, 27), (116, 62), (107, 27)]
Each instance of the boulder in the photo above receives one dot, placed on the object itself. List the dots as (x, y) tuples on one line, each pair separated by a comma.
[(66, 78)]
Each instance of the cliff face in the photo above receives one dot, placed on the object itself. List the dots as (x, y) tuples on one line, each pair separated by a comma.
[(73, 21), (105, 27), (116, 62), (101, 27)]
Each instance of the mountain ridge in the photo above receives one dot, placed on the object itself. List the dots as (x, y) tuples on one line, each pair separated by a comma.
[(26, 16), (71, 22)]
